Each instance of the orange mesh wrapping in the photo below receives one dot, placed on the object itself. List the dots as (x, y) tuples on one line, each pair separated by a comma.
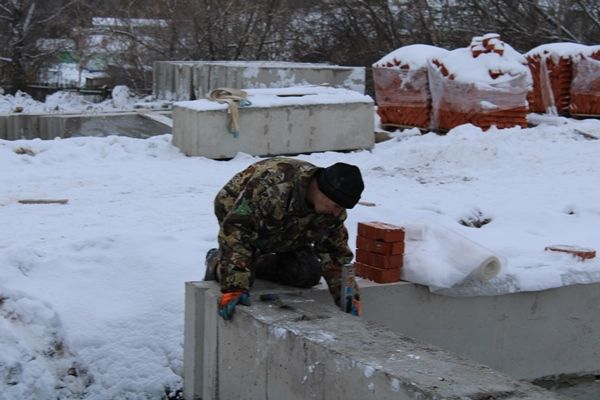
[(585, 88), (402, 96), (551, 84)]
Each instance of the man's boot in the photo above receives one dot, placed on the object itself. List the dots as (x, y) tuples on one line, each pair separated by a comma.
[(211, 261)]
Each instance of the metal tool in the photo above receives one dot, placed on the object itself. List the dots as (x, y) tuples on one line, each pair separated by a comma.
[(347, 287)]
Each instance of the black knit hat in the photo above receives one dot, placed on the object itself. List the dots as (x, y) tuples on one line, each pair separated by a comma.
[(342, 183)]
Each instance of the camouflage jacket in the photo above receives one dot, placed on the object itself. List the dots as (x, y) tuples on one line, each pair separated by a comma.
[(263, 209)]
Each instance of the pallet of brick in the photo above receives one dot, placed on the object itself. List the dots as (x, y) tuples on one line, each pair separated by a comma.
[(552, 74), (402, 86), (585, 87), (485, 84), (379, 251)]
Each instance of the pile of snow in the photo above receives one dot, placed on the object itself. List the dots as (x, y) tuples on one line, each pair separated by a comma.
[(556, 51), (413, 56), (487, 68), (122, 99), (34, 351)]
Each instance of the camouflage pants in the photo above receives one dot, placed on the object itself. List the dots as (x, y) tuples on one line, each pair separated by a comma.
[(300, 268)]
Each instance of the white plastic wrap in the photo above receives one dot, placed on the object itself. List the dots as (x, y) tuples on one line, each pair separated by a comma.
[(441, 258)]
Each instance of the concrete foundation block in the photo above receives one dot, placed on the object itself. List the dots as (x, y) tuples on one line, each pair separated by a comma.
[(183, 81), (20, 126), (302, 349), (172, 80), (126, 124), (528, 335), (331, 119), (200, 336), (50, 126)]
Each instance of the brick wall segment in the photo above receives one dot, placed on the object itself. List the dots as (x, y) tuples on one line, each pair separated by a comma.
[(385, 232)]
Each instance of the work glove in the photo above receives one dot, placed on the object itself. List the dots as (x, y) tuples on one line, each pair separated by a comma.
[(332, 276), (229, 300), (353, 305)]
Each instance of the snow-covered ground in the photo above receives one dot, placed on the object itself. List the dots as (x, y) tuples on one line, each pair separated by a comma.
[(91, 292), (122, 99)]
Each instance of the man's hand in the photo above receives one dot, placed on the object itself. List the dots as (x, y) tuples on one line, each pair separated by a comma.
[(353, 305), (229, 300), (343, 288)]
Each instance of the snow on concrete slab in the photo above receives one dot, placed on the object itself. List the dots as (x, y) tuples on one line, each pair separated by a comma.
[(285, 97)]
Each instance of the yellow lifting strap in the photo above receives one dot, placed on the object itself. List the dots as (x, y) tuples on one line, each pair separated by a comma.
[(234, 98)]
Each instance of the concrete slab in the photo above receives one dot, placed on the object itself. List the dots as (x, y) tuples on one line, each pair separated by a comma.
[(311, 350), (19, 126), (200, 336), (50, 126), (279, 121), (526, 335), (190, 80), (172, 80)]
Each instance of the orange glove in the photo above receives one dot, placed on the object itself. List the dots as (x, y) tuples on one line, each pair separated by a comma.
[(229, 300)]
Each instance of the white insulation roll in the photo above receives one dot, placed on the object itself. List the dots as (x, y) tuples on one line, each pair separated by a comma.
[(438, 257)]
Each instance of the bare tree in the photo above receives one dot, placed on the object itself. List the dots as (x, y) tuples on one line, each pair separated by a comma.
[(24, 22), (134, 33)]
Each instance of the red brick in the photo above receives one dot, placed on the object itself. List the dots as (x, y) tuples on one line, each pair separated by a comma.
[(379, 247), (381, 231), (580, 252), (379, 260), (379, 275)]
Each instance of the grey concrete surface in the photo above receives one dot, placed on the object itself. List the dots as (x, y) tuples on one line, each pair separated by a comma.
[(173, 80), (190, 80), (526, 335), (273, 130), (573, 387), (304, 349), (50, 126)]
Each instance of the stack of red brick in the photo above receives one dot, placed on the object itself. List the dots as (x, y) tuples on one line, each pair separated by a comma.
[(379, 251), (402, 99), (460, 101), (402, 86), (552, 75), (585, 88), (566, 79)]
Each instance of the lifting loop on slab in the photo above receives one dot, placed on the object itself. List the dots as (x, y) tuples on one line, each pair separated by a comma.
[(234, 98)]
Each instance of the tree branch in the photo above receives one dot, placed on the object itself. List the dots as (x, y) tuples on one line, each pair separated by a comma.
[(55, 15), (553, 20), (591, 16)]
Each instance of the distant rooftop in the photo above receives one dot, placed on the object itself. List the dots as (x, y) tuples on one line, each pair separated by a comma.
[(137, 22)]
